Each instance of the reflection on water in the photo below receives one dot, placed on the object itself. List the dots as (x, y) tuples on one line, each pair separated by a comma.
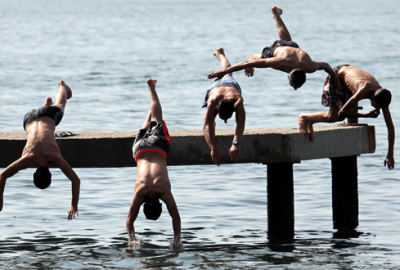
[(106, 51), (247, 250)]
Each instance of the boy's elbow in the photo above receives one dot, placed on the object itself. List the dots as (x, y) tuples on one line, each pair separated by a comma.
[(206, 128), (76, 181)]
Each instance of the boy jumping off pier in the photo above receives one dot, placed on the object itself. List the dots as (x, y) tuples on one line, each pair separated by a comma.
[(222, 99), (41, 149), (284, 55), (356, 84), (150, 151)]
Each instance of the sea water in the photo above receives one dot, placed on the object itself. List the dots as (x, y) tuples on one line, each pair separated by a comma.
[(105, 50)]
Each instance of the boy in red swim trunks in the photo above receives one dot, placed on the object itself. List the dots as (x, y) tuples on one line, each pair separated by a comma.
[(150, 151)]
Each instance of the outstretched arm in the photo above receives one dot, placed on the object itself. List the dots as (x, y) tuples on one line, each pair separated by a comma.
[(174, 213), (389, 161), (259, 63), (209, 132), (12, 169), (240, 123), (75, 181), (132, 215), (334, 77)]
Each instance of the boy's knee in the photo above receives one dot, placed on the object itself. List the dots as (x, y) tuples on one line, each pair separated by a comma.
[(335, 118)]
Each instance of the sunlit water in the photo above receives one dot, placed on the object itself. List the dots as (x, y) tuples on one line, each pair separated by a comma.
[(105, 50)]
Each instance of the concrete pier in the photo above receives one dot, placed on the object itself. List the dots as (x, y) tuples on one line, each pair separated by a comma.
[(114, 148), (277, 148)]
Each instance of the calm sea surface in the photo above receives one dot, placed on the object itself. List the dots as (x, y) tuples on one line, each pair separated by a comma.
[(105, 50)]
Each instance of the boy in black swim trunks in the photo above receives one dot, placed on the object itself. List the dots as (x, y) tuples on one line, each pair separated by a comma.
[(150, 151), (41, 149), (284, 55)]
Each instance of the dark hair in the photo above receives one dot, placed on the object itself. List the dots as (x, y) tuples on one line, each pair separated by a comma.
[(42, 177), (152, 208), (226, 107), (383, 97), (297, 77)]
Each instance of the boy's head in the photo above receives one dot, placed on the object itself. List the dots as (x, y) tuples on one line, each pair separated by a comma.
[(225, 108), (152, 208), (382, 98), (297, 77), (42, 177)]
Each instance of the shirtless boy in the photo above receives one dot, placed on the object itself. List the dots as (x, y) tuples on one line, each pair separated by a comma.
[(222, 99), (41, 149), (150, 151), (356, 84), (284, 55)]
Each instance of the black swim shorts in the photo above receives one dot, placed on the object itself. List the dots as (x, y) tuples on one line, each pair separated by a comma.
[(154, 139), (53, 112), (268, 52)]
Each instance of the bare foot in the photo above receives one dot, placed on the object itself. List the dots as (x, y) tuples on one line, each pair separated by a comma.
[(219, 51), (48, 102), (219, 74), (66, 87), (303, 124), (276, 11), (151, 83), (249, 71)]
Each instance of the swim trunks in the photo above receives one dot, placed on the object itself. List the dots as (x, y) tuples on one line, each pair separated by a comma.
[(331, 95), (154, 139), (53, 112), (268, 52), (228, 81)]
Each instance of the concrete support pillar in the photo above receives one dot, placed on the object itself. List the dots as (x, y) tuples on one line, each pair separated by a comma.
[(355, 110), (280, 200), (344, 192)]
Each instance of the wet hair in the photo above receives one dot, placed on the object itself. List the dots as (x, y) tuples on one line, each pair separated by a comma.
[(383, 97), (226, 107), (42, 177), (152, 208), (297, 77)]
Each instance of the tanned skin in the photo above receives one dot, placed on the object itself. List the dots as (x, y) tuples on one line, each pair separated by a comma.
[(363, 86), (285, 58), (41, 150), (152, 177), (215, 96)]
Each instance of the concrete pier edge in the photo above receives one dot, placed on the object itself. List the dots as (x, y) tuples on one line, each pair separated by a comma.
[(188, 147)]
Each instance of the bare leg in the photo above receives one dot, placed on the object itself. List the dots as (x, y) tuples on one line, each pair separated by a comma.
[(220, 54), (155, 105), (63, 94), (48, 102), (250, 71), (146, 124), (307, 120), (283, 32)]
